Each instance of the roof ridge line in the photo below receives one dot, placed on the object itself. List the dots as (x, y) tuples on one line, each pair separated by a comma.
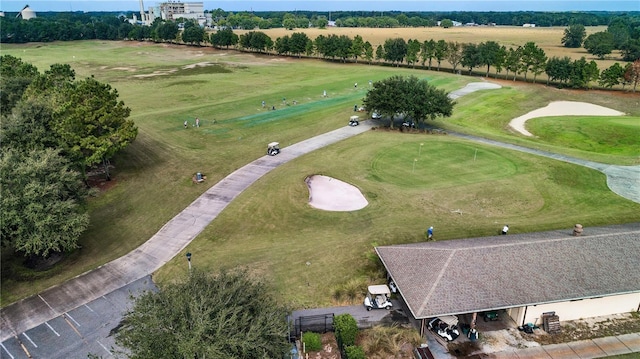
[(435, 283)]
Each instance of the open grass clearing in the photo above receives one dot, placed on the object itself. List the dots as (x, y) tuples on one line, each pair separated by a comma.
[(153, 176)]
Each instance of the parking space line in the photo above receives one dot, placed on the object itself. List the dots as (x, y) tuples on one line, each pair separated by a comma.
[(73, 320), (29, 339), (89, 308), (6, 351), (72, 326), (45, 302), (24, 348), (53, 330), (103, 347)]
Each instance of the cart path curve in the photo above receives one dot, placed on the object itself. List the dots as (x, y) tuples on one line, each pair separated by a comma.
[(176, 234)]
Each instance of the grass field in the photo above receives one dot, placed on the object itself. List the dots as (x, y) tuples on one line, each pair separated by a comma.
[(270, 228)]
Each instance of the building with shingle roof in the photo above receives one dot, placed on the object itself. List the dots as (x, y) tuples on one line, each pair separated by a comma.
[(597, 273)]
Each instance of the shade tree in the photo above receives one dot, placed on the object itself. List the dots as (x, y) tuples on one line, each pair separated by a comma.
[(226, 315)]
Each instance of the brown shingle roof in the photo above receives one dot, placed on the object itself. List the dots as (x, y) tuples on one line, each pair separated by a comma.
[(478, 274)]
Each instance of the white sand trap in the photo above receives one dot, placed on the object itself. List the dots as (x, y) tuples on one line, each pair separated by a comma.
[(562, 108), (331, 194)]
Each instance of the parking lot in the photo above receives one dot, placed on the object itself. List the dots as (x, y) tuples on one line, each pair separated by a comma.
[(77, 333)]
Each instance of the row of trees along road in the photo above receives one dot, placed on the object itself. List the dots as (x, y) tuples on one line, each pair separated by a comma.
[(525, 60), (53, 128)]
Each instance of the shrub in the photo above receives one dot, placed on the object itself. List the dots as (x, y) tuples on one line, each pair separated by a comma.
[(312, 341), (346, 330), (354, 352)]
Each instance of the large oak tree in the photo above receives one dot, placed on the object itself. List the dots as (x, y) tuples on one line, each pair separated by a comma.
[(227, 315), (415, 98)]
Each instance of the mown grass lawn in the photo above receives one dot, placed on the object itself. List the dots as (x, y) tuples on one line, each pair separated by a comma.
[(270, 228)]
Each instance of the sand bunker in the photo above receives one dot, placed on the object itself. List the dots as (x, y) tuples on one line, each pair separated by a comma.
[(331, 194), (562, 108)]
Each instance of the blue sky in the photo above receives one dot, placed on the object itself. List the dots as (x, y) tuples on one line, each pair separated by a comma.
[(336, 5)]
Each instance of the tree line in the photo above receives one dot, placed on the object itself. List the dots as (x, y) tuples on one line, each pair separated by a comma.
[(53, 129), (508, 63), (623, 33)]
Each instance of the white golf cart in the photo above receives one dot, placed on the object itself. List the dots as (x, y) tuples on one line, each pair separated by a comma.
[(273, 148), (378, 297), (446, 327), (354, 121)]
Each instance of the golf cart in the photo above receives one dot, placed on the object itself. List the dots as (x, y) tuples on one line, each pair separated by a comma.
[(378, 297), (446, 327), (354, 121), (273, 148)]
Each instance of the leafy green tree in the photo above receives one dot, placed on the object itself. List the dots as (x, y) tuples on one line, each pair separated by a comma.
[(488, 54), (227, 315), (428, 51), (298, 43), (500, 59), (440, 52), (395, 50), (558, 69), (342, 46), (599, 44), (289, 23), (166, 31), (446, 23), (416, 98), (611, 76), (282, 45), (368, 51), (631, 50), (512, 61), (91, 123), (357, 47), (582, 73), (322, 22), (256, 41), (454, 54), (413, 48), (533, 59), (15, 78), (225, 37), (574, 36), (41, 201), (193, 34), (620, 29), (309, 48), (470, 56), (380, 53)]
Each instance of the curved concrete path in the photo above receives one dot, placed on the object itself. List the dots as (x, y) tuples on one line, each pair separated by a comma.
[(174, 236)]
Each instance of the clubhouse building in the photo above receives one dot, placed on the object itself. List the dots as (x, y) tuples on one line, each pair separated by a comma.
[(524, 275)]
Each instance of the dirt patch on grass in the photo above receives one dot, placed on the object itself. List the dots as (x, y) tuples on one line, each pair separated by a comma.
[(329, 348)]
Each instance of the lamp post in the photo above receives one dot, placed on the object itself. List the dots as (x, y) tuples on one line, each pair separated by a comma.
[(414, 165), (189, 260), (420, 149)]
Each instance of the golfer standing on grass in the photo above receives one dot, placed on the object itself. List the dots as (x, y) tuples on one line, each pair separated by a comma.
[(430, 233), (505, 229)]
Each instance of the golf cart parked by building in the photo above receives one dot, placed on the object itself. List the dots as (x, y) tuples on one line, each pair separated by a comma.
[(354, 121), (446, 327), (273, 148), (378, 297)]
